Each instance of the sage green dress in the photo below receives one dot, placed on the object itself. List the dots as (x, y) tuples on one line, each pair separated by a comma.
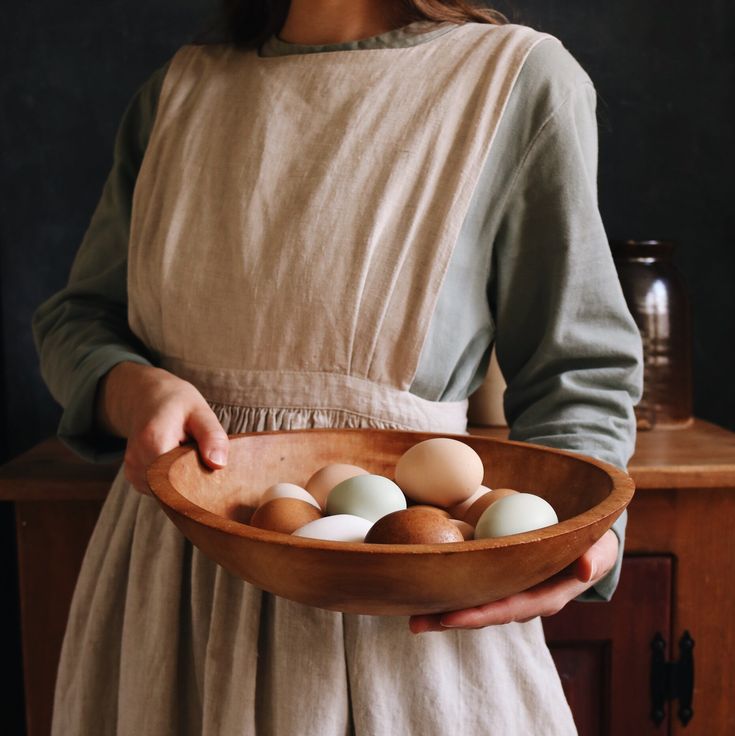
[(175, 644)]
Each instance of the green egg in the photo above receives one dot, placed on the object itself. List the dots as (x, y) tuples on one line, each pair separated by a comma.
[(368, 496)]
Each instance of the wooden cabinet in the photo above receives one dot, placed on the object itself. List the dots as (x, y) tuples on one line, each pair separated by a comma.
[(603, 651), (678, 576)]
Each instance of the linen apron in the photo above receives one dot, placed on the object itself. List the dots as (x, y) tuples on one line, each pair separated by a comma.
[(292, 223)]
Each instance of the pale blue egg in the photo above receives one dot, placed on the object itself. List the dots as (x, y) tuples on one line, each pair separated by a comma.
[(368, 496), (521, 512)]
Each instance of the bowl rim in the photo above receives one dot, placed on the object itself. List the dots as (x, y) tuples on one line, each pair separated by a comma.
[(157, 475)]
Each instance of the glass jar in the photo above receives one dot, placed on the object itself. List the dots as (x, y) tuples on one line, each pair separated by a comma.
[(657, 298)]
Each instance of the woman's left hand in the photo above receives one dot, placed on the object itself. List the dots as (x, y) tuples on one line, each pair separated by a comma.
[(544, 599)]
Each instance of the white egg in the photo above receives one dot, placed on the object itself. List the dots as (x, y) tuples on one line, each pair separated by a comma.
[(340, 528), (288, 490), (369, 496), (521, 512)]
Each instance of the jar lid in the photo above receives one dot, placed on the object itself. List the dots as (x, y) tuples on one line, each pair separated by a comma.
[(641, 248)]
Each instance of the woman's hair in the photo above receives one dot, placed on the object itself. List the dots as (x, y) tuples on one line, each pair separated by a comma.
[(249, 23)]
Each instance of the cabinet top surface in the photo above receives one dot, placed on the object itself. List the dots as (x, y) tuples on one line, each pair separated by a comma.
[(701, 455)]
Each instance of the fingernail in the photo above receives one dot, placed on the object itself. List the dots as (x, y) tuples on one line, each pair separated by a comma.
[(218, 457)]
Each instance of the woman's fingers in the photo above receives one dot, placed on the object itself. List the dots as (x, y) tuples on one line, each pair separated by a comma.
[(142, 449), (157, 411), (204, 428), (544, 599)]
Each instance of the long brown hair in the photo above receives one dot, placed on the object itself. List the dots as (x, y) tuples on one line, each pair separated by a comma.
[(249, 23)]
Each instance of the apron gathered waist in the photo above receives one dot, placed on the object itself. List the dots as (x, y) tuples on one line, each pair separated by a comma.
[(306, 394)]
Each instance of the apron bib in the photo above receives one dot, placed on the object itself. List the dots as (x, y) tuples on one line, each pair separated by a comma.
[(294, 217)]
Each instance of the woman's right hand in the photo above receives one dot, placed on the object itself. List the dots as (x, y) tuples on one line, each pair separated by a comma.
[(156, 411)]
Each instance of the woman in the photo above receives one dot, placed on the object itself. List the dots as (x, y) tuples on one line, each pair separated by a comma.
[(327, 222)]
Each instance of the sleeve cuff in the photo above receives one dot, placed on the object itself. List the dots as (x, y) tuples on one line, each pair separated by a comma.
[(77, 428)]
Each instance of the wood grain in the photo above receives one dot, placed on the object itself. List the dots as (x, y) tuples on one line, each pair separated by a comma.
[(701, 455)]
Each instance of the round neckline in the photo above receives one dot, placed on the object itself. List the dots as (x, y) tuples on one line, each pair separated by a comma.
[(412, 34)]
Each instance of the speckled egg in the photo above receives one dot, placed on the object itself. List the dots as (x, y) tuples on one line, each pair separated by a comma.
[(413, 526)]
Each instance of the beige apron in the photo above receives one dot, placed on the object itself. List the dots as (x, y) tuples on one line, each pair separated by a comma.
[(292, 224)]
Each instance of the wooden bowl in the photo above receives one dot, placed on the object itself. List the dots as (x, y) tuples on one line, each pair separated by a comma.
[(209, 507)]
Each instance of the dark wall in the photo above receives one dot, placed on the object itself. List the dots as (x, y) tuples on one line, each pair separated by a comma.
[(665, 73)]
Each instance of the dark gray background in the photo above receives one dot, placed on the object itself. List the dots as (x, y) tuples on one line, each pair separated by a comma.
[(664, 70)]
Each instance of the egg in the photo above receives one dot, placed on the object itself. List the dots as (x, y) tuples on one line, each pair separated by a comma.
[(459, 510), (288, 490), (413, 526), (467, 531), (520, 512), (439, 471), (484, 502), (369, 496), (340, 528), (321, 483), (284, 515), (433, 509)]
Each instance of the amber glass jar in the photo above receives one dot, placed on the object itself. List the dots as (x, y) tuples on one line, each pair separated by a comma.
[(657, 299)]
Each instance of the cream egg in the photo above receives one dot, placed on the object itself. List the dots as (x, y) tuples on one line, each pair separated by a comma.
[(440, 471), (369, 496), (288, 490), (514, 514), (321, 483), (340, 528)]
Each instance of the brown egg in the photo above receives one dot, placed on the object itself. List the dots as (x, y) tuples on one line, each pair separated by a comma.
[(433, 509), (326, 478), (284, 515), (413, 526), (459, 510), (485, 502), (466, 530)]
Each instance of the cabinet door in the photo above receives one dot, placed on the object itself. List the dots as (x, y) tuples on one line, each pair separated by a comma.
[(603, 650)]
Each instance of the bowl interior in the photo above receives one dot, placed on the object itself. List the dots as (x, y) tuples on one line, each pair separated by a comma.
[(572, 485)]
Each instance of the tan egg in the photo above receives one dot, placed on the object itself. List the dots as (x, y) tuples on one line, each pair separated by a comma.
[(284, 515), (485, 502), (466, 530), (459, 510), (433, 509), (321, 483), (413, 526), (440, 471)]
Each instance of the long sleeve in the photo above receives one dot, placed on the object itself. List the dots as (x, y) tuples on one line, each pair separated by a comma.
[(82, 331), (566, 343)]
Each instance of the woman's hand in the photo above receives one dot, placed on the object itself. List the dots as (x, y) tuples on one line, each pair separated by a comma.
[(544, 599), (156, 412)]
